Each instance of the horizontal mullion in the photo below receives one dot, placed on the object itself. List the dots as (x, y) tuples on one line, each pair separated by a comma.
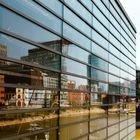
[(16, 111), (28, 64), (106, 27), (18, 136), (26, 86)]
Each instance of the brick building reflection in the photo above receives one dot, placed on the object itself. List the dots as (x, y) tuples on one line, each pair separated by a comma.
[(75, 98), (3, 53), (20, 75)]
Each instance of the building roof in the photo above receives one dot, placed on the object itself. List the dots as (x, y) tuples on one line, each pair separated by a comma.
[(126, 15)]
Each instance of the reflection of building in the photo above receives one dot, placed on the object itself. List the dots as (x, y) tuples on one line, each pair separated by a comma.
[(3, 53), (2, 90), (75, 98), (44, 57), (20, 97), (55, 55)]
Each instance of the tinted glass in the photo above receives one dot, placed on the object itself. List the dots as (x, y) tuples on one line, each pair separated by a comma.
[(54, 5), (70, 49), (99, 51), (76, 6), (36, 12), (99, 63), (32, 32), (29, 53), (71, 66), (76, 21), (76, 37), (33, 122), (99, 87), (99, 75), (73, 83)]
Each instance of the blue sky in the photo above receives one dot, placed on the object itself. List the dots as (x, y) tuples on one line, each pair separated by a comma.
[(132, 7)]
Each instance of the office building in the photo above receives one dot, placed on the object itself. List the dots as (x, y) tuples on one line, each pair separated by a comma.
[(67, 70)]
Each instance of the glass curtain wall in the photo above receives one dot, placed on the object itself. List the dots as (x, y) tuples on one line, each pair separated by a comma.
[(67, 70)]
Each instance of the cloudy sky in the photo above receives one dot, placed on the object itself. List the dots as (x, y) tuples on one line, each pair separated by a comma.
[(132, 7)]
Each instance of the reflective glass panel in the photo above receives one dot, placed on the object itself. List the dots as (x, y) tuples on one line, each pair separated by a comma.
[(32, 32), (99, 87), (70, 49), (98, 62), (98, 124), (76, 36), (73, 115), (54, 5), (114, 89), (98, 111), (30, 53), (101, 134), (71, 66), (73, 131), (73, 99), (35, 11), (76, 21), (99, 51), (20, 123), (73, 83), (99, 75)]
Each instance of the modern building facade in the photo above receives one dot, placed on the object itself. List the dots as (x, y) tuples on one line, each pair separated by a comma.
[(67, 70)]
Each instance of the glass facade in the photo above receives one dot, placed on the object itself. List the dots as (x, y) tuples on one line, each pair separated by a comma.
[(67, 70)]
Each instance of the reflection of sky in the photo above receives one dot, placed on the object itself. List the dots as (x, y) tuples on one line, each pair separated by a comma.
[(15, 49), (79, 81), (24, 28), (75, 67)]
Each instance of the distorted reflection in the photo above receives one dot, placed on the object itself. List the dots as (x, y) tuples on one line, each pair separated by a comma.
[(99, 87), (72, 83), (71, 99), (29, 53), (24, 92), (26, 122)]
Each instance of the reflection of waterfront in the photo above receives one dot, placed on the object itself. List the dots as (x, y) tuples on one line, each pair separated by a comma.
[(67, 130)]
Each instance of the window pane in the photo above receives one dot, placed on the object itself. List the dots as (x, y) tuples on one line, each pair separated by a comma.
[(114, 89), (71, 66), (72, 83), (98, 124), (114, 80), (99, 75), (15, 123), (72, 99), (98, 99), (35, 11), (76, 6), (99, 87), (99, 51), (70, 49), (54, 5), (99, 135), (32, 32), (73, 131), (99, 63), (114, 70), (99, 39), (76, 21), (30, 53), (98, 111), (70, 115), (76, 37)]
